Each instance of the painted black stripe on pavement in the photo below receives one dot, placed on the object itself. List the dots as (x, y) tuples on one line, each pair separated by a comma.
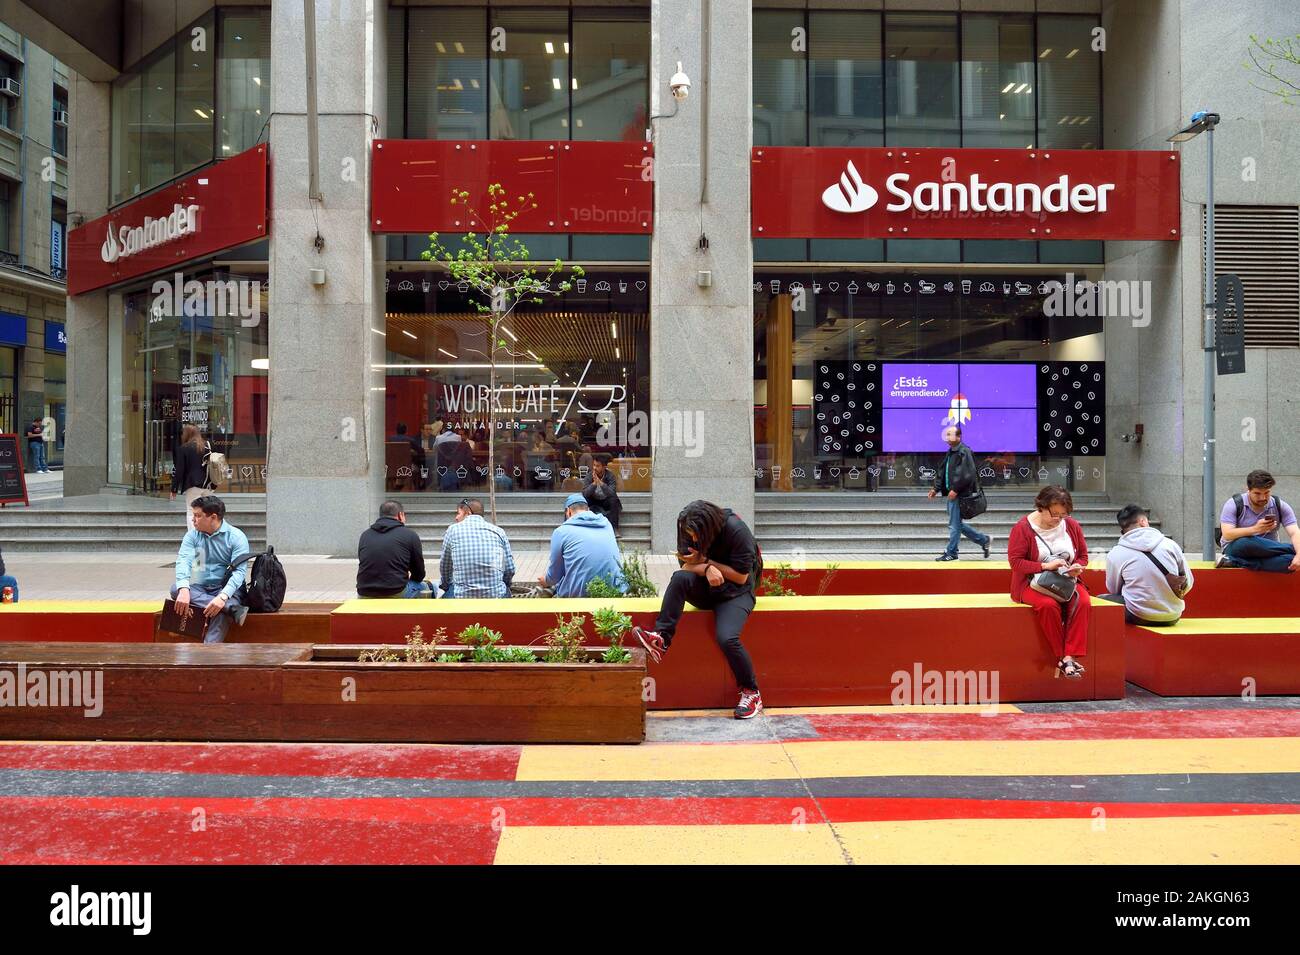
[(1137, 699), (1281, 788)]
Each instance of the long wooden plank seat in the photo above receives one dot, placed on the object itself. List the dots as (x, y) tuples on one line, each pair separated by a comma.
[(843, 650), (80, 621), (1218, 592), (292, 623), (1228, 656)]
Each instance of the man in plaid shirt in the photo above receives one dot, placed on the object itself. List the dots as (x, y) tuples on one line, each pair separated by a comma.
[(476, 557)]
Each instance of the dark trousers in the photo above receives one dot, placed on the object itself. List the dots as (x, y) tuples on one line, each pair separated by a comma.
[(729, 616), (612, 509)]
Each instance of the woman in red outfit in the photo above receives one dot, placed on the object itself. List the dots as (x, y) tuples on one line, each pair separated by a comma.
[(1049, 539)]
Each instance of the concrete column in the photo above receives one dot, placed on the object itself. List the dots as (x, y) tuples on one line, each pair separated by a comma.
[(85, 454), (702, 339), (326, 457)]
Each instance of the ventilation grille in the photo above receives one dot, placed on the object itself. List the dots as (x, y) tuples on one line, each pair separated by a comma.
[(1261, 245)]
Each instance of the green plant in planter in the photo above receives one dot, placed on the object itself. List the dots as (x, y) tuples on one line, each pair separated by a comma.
[(637, 576), (831, 570), (564, 640), (517, 655), (449, 658), (484, 640), (379, 655), (611, 625), (774, 582), (602, 589)]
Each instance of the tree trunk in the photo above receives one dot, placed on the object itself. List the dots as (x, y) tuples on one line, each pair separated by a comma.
[(492, 415)]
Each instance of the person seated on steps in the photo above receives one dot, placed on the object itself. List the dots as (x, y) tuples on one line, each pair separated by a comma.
[(1249, 525), (204, 580), (390, 557), (1147, 571)]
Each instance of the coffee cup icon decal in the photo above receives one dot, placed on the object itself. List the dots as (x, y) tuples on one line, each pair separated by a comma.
[(581, 284)]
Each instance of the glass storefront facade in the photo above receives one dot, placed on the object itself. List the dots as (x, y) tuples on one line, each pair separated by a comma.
[(955, 80), (574, 378), (203, 96), (205, 364), (573, 382)]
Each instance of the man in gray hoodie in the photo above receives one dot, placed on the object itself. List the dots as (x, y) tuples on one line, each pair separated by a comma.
[(1148, 570)]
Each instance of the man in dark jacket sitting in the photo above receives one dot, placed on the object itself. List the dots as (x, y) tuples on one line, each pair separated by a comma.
[(391, 557), (957, 477)]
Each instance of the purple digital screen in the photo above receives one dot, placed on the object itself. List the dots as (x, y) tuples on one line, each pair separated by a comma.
[(995, 404)]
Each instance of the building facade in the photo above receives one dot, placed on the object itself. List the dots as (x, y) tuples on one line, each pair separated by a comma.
[(738, 328), (35, 126)]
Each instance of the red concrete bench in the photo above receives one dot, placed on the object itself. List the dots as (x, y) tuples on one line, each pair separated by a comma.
[(807, 650), (80, 621), (1217, 657), (1218, 593)]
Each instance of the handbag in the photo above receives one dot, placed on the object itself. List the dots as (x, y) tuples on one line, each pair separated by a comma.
[(1177, 582), (1058, 586), (973, 504)]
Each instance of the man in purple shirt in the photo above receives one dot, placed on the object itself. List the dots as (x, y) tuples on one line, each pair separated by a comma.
[(1250, 523)]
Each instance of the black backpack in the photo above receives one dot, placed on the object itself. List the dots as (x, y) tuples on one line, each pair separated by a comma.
[(263, 591), (1240, 501)]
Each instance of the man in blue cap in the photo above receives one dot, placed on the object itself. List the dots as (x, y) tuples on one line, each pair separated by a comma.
[(583, 548)]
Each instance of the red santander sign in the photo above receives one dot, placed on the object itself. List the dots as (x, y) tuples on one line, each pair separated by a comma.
[(932, 193), (219, 207)]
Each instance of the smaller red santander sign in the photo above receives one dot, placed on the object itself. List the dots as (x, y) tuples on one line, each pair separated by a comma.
[(219, 207), (578, 187), (930, 193)]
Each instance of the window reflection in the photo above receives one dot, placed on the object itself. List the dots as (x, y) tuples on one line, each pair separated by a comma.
[(529, 91), (921, 80)]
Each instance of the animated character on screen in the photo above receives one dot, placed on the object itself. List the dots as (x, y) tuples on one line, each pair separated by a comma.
[(959, 411)]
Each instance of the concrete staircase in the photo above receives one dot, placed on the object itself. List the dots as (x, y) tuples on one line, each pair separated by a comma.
[(905, 525), (870, 525), (110, 523)]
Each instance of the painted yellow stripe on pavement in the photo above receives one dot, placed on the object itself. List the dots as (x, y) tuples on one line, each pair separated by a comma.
[(1231, 625), (1172, 840), (882, 710), (997, 563), (692, 761), (668, 845), (1187, 840)]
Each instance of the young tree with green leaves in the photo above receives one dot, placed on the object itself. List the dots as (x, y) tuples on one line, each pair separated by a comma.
[(500, 276), (1278, 61)]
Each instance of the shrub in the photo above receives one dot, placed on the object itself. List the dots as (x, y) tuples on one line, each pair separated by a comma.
[(774, 582), (637, 577), (611, 625), (564, 640)]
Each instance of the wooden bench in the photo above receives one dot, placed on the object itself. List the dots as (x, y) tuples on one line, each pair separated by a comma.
[(808, 651), (292, 623), (80, 621), (1225, 656)]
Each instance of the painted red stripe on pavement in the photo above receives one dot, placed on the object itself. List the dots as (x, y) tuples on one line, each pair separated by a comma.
[(351, 760), (1149, 724), (140, 835)]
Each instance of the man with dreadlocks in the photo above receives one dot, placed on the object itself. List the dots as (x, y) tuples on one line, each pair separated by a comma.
[(721, 565)]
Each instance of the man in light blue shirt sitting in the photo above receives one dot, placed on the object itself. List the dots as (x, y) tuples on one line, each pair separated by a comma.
[(582, 549), (207, 553)]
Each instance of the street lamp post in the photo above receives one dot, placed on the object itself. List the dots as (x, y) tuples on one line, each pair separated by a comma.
[(1204, 121)]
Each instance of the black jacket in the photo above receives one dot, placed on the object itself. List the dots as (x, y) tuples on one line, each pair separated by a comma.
[(735, 546), (390, 555), (961, 474), (189, 469)]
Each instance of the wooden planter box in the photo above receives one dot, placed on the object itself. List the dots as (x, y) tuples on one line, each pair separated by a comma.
[(301, 692), (462, 702)]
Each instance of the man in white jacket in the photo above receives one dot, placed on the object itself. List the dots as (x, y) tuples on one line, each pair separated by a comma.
[(1148, 570)]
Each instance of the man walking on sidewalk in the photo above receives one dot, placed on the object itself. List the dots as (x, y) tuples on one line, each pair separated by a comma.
[(957, 477)]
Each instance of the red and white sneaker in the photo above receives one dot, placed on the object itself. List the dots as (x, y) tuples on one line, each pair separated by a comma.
[(750, 705), (653, 643)]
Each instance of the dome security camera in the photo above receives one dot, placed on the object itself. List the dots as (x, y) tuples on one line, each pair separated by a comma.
[(680, 84)]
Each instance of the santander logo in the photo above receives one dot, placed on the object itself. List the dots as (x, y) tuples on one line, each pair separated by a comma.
[(128, 240), (973, 194), (850, 194)]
